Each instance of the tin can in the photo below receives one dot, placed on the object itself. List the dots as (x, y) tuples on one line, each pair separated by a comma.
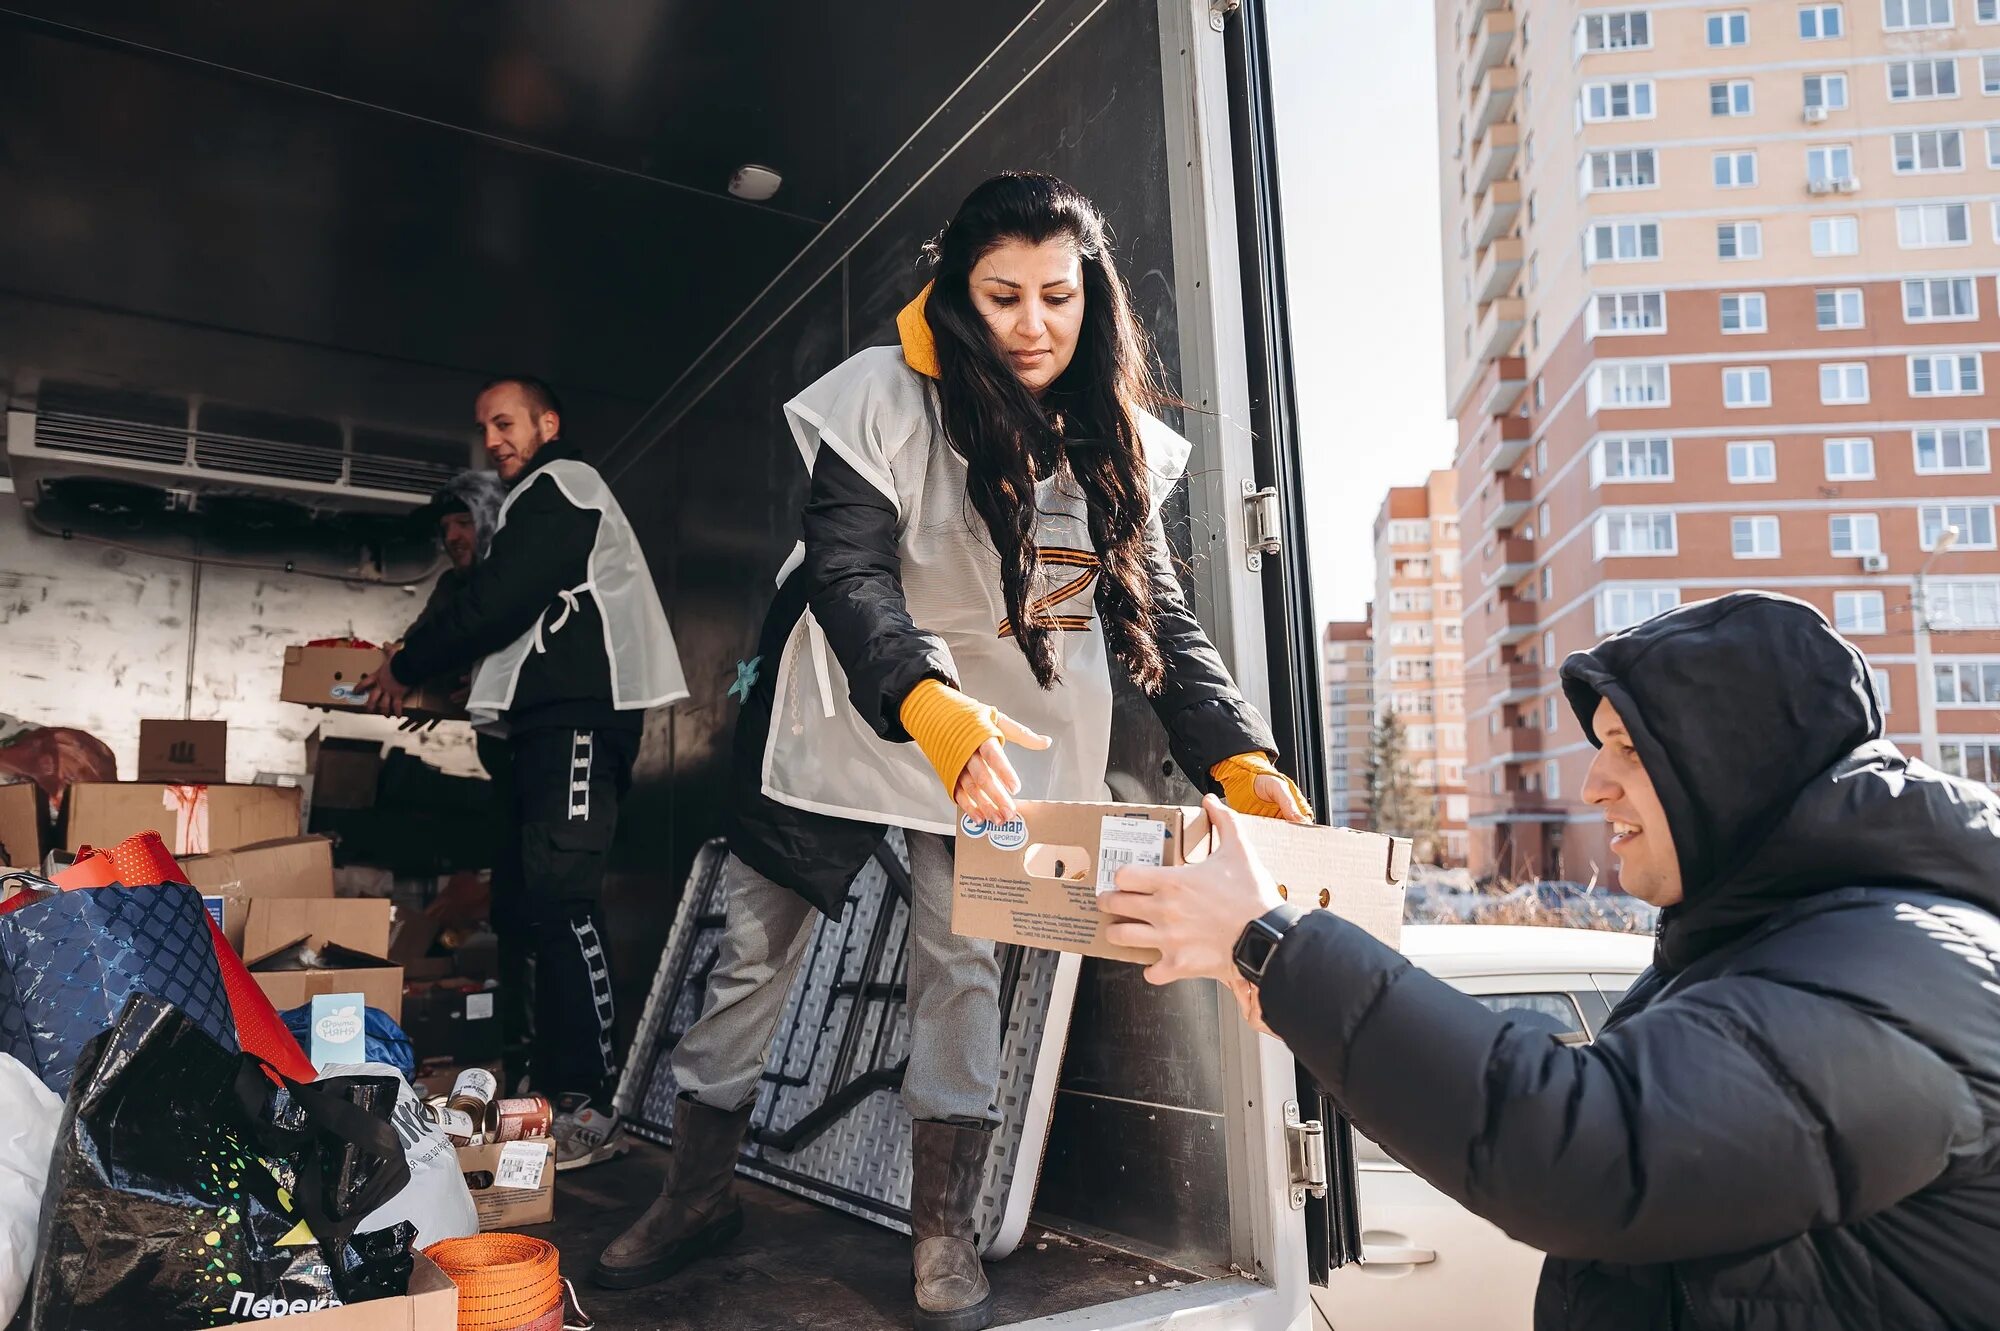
[(529, 1116), (474, 1092), (459, 1126)]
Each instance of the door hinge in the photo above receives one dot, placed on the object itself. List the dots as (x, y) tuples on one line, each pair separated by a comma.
[(1263, 531), (1305, 1154), (1220, 10)]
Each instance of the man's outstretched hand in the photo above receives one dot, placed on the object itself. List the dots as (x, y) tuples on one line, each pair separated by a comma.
[(385, 692), (1192, 914)]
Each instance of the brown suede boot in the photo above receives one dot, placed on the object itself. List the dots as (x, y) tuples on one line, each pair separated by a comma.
[(697, 1211), (948, 1167)]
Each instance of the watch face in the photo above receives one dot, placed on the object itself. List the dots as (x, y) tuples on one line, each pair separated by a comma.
[(1253, 950)]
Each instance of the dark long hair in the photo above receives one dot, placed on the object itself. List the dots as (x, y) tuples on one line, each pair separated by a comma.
[(1085, 420)]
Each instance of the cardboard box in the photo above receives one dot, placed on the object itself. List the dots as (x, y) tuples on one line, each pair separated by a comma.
[(288, 868), (431, 1305), (346, 772), (24, 824), (184, 752), (104, 813), (501, 1207), (452, 1018), (362, 926), (1034, 881), (326, 676)]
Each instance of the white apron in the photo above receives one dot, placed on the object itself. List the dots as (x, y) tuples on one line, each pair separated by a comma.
[(645, 667), (880, 416)]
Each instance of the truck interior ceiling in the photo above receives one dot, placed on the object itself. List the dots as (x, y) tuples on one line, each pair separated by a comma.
[(255, 262)]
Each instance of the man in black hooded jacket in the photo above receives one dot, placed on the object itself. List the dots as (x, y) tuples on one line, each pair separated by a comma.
[(1793, 1119)]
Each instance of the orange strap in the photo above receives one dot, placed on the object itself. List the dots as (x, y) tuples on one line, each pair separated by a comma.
[(506, 1282)]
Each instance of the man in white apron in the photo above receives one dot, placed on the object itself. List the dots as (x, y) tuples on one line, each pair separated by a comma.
[(572, 647)]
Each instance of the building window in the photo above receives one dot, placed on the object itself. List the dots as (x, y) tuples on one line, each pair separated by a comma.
[(1730, 29), (1850, 459), (1632, 461), (1548, 646), (1858, 612), (1854, 534), (1735, 170), (1730, 98), (1989, 75), (1945, 374), (1551, 786), (1746, 386), (1541, 393), (1922, 80), (1828, 165), (1964, 603), (1826, 92), (1930, 300), (1549, 714), (1952, 450), (1618, 313), (1548, 585), (1835, 236), (1839, 307), (1641, 385), (1974, 523), (1973, 759), (1410, 531), (1753, 538), (1622, 169), (1743, 312), (1636, 534), (1619, 608), (1843, 385), (1987, 11), (1974, 683), (1739, 240), (1754, 463), (1619, 100), (1880, 679), (1624, 242), (1924, 226), (1993, 149), (1904, 15), (1617, 30), (1926, 151), (1819, 22)]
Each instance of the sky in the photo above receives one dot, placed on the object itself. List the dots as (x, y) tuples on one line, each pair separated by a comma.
[(1357, 163)]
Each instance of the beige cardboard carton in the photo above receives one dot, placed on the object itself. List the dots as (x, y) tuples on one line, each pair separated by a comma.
[(184, 752), (104, 813), (23, 825), (360, 925), (512, 1183), (1035, 881), (326, 676), (431, 1305), (290, 867)]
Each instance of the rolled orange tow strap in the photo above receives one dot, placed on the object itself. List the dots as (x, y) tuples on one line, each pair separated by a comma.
[(506, 1282)]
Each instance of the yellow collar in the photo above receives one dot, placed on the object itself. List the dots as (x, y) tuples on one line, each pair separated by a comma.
[(919, 346)]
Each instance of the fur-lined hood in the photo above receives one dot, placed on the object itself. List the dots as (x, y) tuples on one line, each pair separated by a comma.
[(477, 492)]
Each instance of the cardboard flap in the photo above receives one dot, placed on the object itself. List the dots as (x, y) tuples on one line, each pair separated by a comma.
[(357, 924)]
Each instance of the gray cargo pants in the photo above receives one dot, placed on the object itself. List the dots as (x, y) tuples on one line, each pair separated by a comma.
[(954, 995)]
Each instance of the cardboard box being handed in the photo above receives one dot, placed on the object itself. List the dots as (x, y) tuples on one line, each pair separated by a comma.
[(1035, 881)]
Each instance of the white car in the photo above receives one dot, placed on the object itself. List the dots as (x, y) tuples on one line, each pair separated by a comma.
[(1427, 1261)]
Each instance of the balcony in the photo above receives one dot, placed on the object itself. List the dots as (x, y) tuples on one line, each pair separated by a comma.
[(1500, 385), (1491, 37), (1494, 95), (1500, 324), (1497, 269), (1515, 561), (1517, 743), (1498, 208), (1518, 683), (1507, 500), (1493, 154), (1519, 620), (1509, 435)]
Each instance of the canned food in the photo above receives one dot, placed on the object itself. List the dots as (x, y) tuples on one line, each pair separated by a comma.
[(459, 1126), (473, 1094), (529, 1116)]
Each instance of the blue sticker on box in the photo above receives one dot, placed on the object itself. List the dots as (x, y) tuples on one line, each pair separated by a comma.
[(339, 1029)]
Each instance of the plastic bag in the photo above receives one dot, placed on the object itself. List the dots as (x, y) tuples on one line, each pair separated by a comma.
[(437, 1201), (188, 1191), (386, 1042), (29, 1117)]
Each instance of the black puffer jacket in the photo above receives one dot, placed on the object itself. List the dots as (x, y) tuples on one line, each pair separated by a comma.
[(1793, 1119), (853, 578)]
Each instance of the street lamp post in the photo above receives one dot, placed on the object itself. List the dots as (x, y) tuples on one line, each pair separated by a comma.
[(1920, 616)]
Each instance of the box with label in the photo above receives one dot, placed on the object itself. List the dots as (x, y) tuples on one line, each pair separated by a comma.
[(327, 676), (1035, 881), (290, 867), (512, 1183), (352, 934), (431, 1305), (346, 772), (192, 819), (453, 1018), (184, 752), (24, 824)]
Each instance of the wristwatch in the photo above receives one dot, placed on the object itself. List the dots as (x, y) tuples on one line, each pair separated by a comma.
[(1259, 940)]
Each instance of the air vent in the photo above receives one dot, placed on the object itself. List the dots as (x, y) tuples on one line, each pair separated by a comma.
[(411, 464), (267, 444), (106, 423)]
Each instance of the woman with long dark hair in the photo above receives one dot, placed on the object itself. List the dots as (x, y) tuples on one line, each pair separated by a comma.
[(981, 541)]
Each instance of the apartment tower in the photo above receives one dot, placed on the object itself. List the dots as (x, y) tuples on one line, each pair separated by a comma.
[(1347, 675), (1720, 303)]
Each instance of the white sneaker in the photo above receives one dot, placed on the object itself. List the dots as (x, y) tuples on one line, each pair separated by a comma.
[(584, 1136)]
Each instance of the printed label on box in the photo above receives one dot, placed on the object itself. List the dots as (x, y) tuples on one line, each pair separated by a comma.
[(521, 1165), (478, 1007), (339, 1031), (1123, 841)]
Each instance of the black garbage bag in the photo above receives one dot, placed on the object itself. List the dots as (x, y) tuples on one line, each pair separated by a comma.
[(190, 1190)]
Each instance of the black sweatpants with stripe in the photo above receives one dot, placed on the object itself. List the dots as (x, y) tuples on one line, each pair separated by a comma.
[(547, 895)]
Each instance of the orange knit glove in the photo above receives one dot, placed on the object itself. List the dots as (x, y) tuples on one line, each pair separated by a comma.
[(1238, 777), (949, 727)]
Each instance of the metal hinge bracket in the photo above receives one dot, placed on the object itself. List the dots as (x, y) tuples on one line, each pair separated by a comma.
[(1263, 533), (1220, 10), (1305, 1155)]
